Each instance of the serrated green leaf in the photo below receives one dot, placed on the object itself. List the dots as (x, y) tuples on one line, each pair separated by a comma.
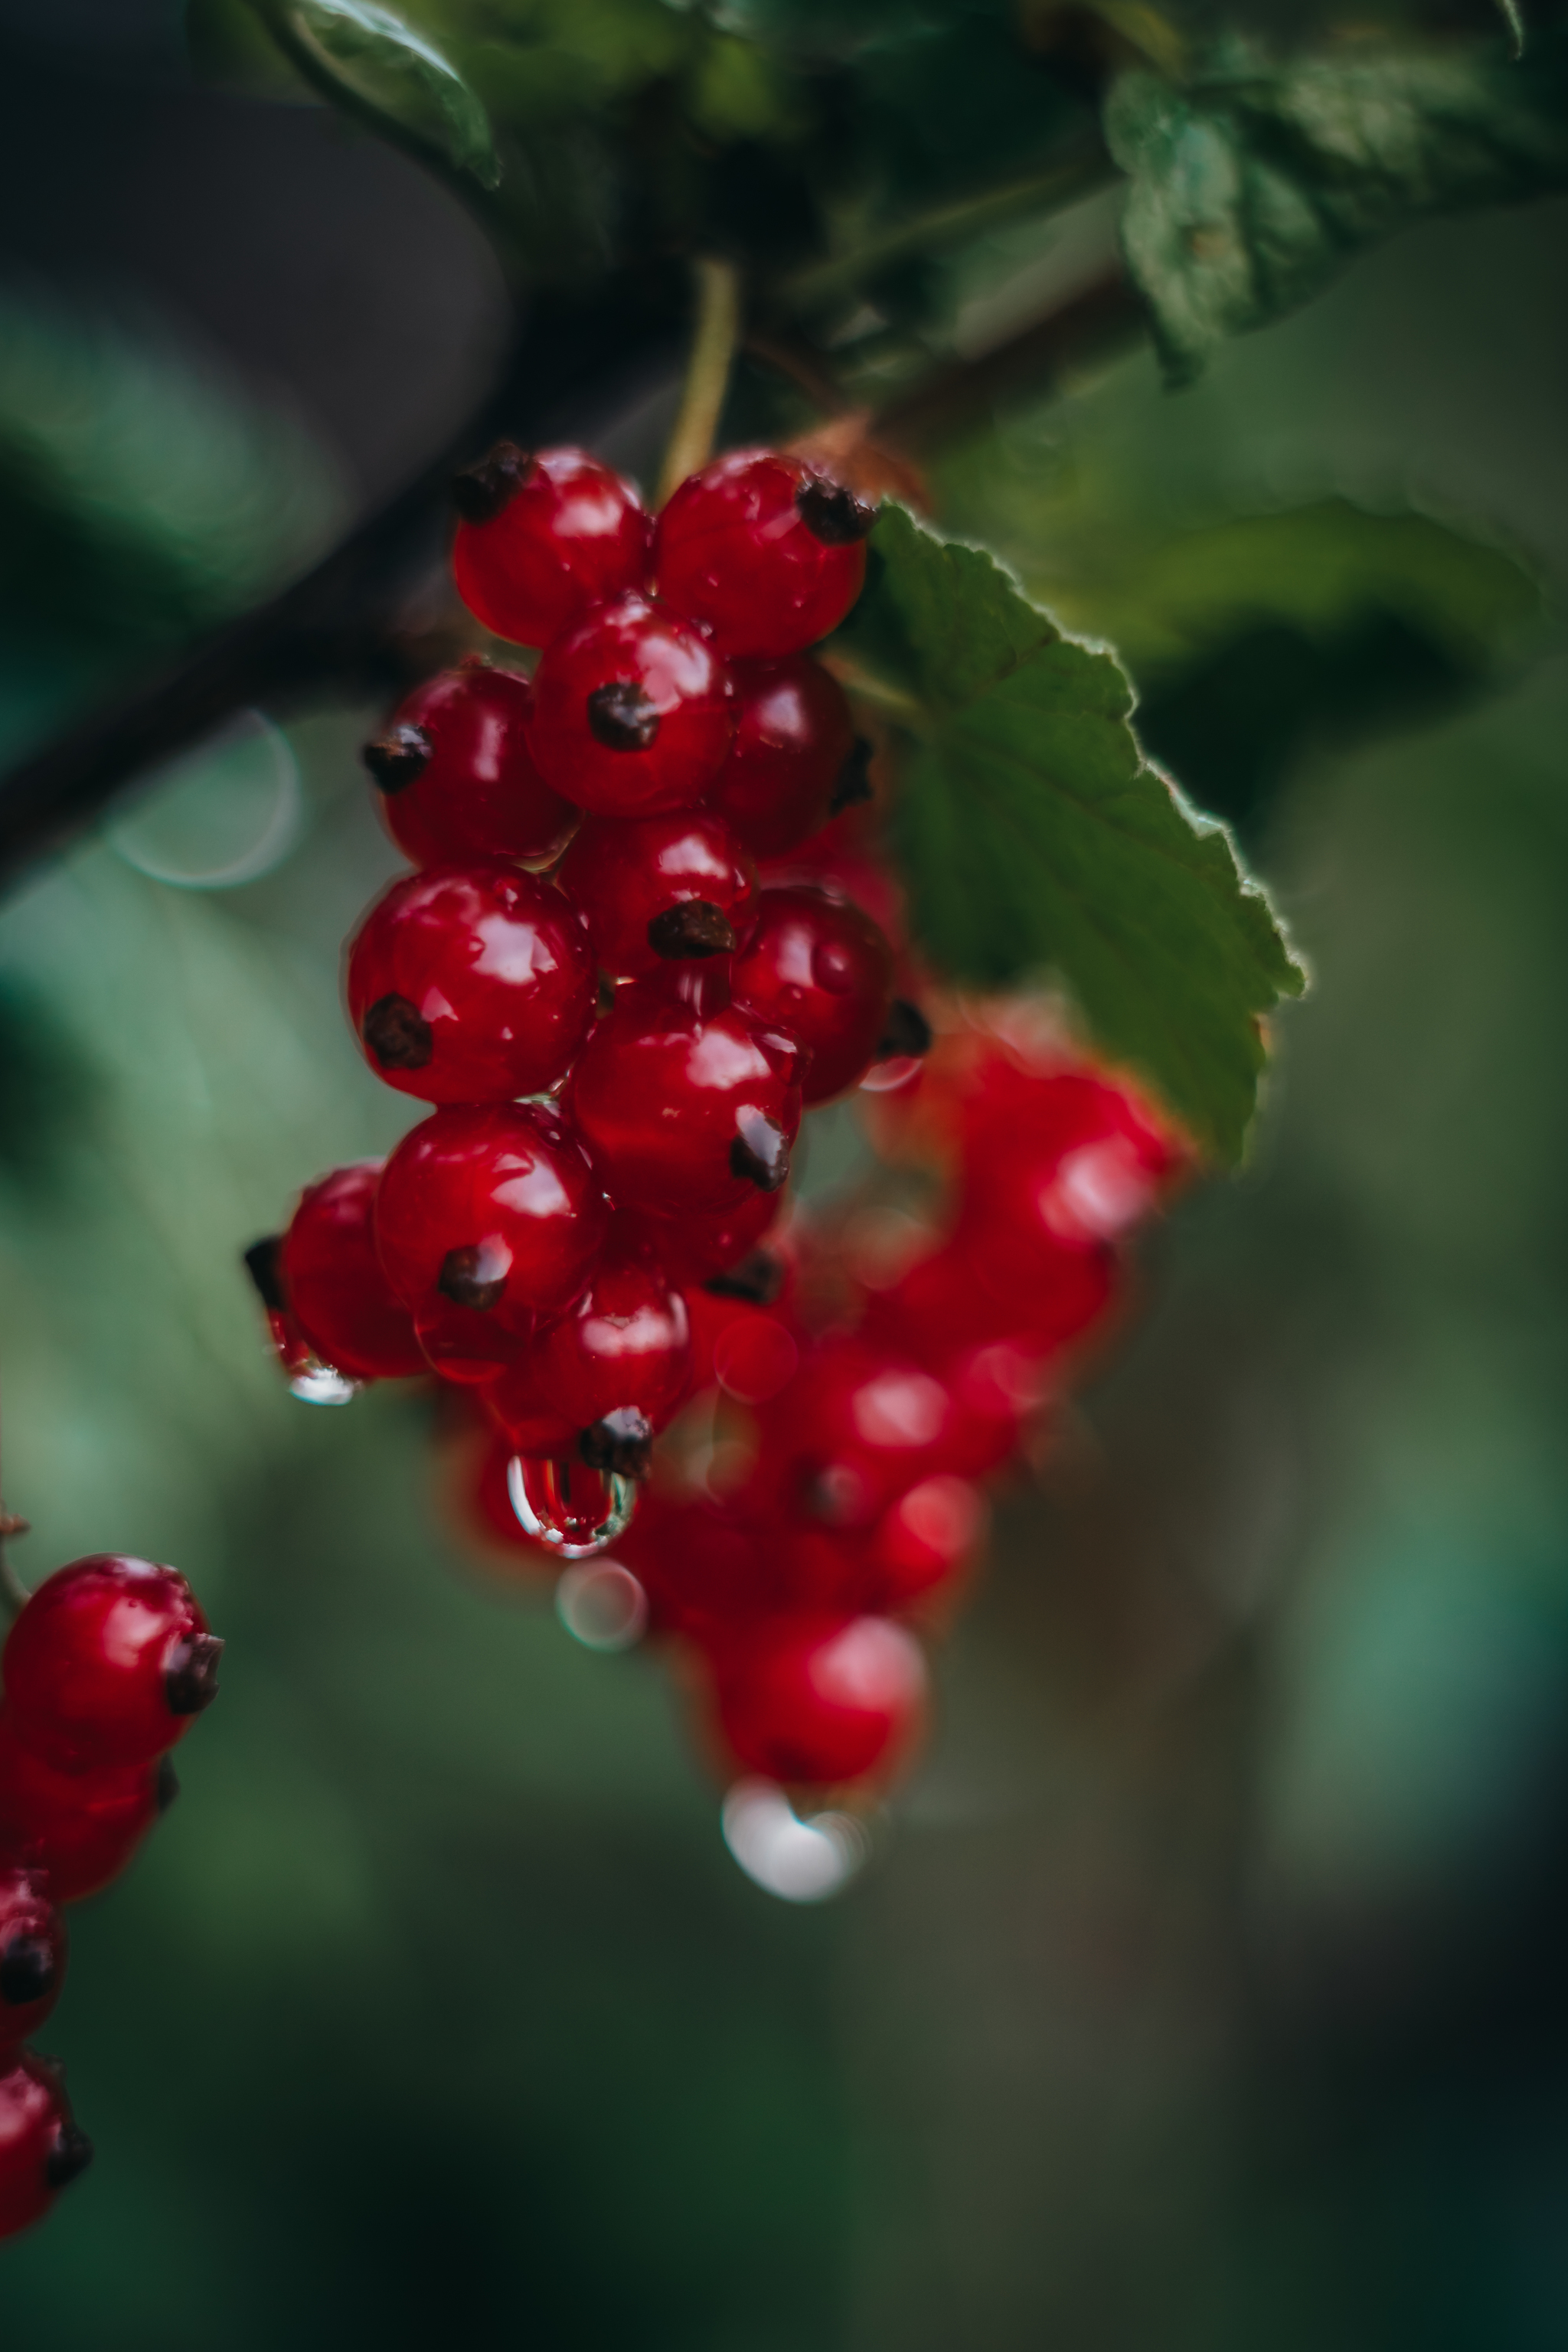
[(1252, 186), (377, 59), (1035, 838)]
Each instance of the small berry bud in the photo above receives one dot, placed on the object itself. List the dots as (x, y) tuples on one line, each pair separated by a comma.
[(479, 492), (397, 1034), (622, 717), (831, 513), (761, 1151), (695, 928), (399, 758), (621, 1444)]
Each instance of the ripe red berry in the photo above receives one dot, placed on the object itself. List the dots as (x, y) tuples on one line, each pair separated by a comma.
[(333, 1283), (686, 1108), (528, 1414), (540, 538), (659, 889), (619, 1363), (456, 783), (632, 711), (702, 1568), (768, 554), (108, 1663), (819, 1698), (857, 1428), (494, 1210), (41, 2146), (79, 1828), (795, 753), (923, 1541), (711, 1242), (946, 1302), (819, 967), (32, 1955), (470, 984)]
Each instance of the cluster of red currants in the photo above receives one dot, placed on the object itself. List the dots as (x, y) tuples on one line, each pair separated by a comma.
[(628, 960), (103, 1670)]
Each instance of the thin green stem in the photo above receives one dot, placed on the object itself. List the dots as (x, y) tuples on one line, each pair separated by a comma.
[(707, 371), (898, 706), (1079, 175)]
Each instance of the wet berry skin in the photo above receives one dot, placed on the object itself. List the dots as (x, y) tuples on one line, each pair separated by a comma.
[(659, 889), (529, 1415), (686, 1109), (625, 1345), (540, 538), (470, 983), (766, 553), (632, 711), (455, 780), (710, 1242), (108, 1663), (347, 1311), (80, 1827), (818, 967), (32, 1955), (494, 1210), (819, 1699), (794, 737), (41, 2149)]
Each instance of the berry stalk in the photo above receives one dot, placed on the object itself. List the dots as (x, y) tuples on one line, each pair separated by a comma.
[(713, 347)]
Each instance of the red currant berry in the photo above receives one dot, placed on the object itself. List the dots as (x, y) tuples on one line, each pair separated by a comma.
[(41, 2146), (529, 1417), (479, 1500), (471, 984), (456, 781), (945, 1303), (108, 1663), (686, 1108), (32, 1954), (768, 554), (79, 1828), (856, 1429), (712, 1242), (632, 711), (466, 1344), (923, 1540), (795, 753), (624, 1350), (492, 1209), (819, 967), (659, 889), (333, 1281), (540, 538), (819, 1698), (701, 1568)]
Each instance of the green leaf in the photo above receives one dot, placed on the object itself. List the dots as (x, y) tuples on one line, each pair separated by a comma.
[(1253, 186), (372, 58), (1035, 839)]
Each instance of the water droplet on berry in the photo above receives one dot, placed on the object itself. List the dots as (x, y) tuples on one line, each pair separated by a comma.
[(314, 1382), (602, 1605), (799, 1861), (578, 1512)]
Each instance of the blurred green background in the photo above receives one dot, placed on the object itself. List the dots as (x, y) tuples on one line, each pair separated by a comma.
[(1208, 1988)]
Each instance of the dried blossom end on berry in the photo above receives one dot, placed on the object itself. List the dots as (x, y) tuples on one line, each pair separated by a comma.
[(262, 1263), (907, 1032), (398, 1034), (190, 1678), (622, 717), (399, 758), (757, 1279), (695, 928), (620, 1444), (832, 513), (481, 492), (853, 784), (760, 1152)]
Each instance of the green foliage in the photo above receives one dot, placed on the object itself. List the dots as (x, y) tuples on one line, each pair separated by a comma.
[(1254, 184), (1035, 838), (383, 67)]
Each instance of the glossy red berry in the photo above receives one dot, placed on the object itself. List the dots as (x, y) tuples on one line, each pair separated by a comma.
[(491, 1215), (527, 1412), (712, 1242), (923, 1540), (857, 1428), (540, 538), (819, 1699), (794, 754), (42, 2149), (456, 781), (32, 1955), (470, 984), (702, 1568), (946, 1303), (818, 967), (79, 1828), (661, 889), (686, 1109), (333, 1283), (624, 1350), (632, 711), (108, 1663), (765, 552)]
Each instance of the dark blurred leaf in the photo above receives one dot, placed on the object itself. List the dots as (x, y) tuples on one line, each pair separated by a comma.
[(394, 71), (1035, 836), (45, 1090), (1254, 185)]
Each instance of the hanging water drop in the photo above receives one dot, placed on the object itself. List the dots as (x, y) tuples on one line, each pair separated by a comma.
[(575, 1510)]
